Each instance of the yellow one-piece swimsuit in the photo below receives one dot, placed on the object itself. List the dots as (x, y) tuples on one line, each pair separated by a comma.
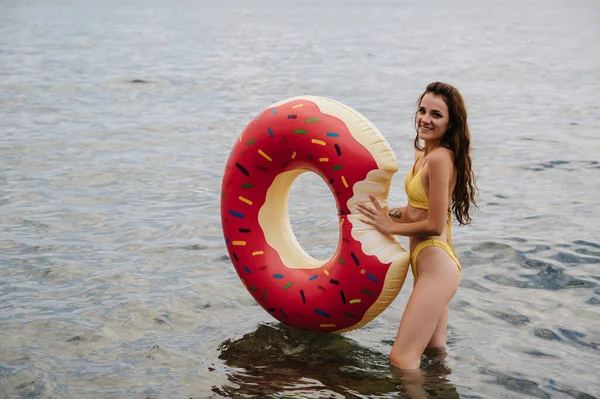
[(418, 199)]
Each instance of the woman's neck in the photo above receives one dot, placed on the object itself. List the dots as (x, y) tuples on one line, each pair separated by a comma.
[(430, 146)]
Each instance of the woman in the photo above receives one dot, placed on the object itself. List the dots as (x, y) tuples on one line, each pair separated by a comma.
[(440, 183)]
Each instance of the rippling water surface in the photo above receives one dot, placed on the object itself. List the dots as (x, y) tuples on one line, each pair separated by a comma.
[(116, 122)]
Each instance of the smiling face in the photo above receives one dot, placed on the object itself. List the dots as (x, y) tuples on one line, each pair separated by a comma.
[(432, 118)]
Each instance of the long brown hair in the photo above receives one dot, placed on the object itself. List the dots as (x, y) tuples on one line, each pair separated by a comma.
[(457, 139)]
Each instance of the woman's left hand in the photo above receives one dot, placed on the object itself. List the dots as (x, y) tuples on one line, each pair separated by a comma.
[(376, 217)]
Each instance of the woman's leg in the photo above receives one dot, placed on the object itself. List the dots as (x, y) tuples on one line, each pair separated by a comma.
[(436, 285), (438, 340)]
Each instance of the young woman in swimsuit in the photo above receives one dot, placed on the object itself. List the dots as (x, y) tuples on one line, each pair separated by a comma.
[(440, 183)]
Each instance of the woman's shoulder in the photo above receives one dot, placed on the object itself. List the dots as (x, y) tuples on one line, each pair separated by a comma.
[(441, 157)]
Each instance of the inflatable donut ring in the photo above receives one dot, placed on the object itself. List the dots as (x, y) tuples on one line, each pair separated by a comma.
[(368, 269)]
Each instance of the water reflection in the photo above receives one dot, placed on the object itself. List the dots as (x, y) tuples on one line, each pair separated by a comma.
[(279, 361)]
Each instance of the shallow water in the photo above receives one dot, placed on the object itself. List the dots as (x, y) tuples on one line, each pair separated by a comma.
[(117, 120)]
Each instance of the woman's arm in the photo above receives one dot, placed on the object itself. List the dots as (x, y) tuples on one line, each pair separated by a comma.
[(440, 172), (378, 218)]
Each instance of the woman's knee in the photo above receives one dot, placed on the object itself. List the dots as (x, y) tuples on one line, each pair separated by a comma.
[(404, 362), (405, 358)]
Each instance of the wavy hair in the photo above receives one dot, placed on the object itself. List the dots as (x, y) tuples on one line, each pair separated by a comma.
[(458, 140)]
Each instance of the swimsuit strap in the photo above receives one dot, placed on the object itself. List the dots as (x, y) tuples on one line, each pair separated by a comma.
[(449, 229), (419, 156), (412, 170)]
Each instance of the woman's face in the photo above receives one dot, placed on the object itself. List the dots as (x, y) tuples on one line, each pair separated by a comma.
[(432, 117)]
